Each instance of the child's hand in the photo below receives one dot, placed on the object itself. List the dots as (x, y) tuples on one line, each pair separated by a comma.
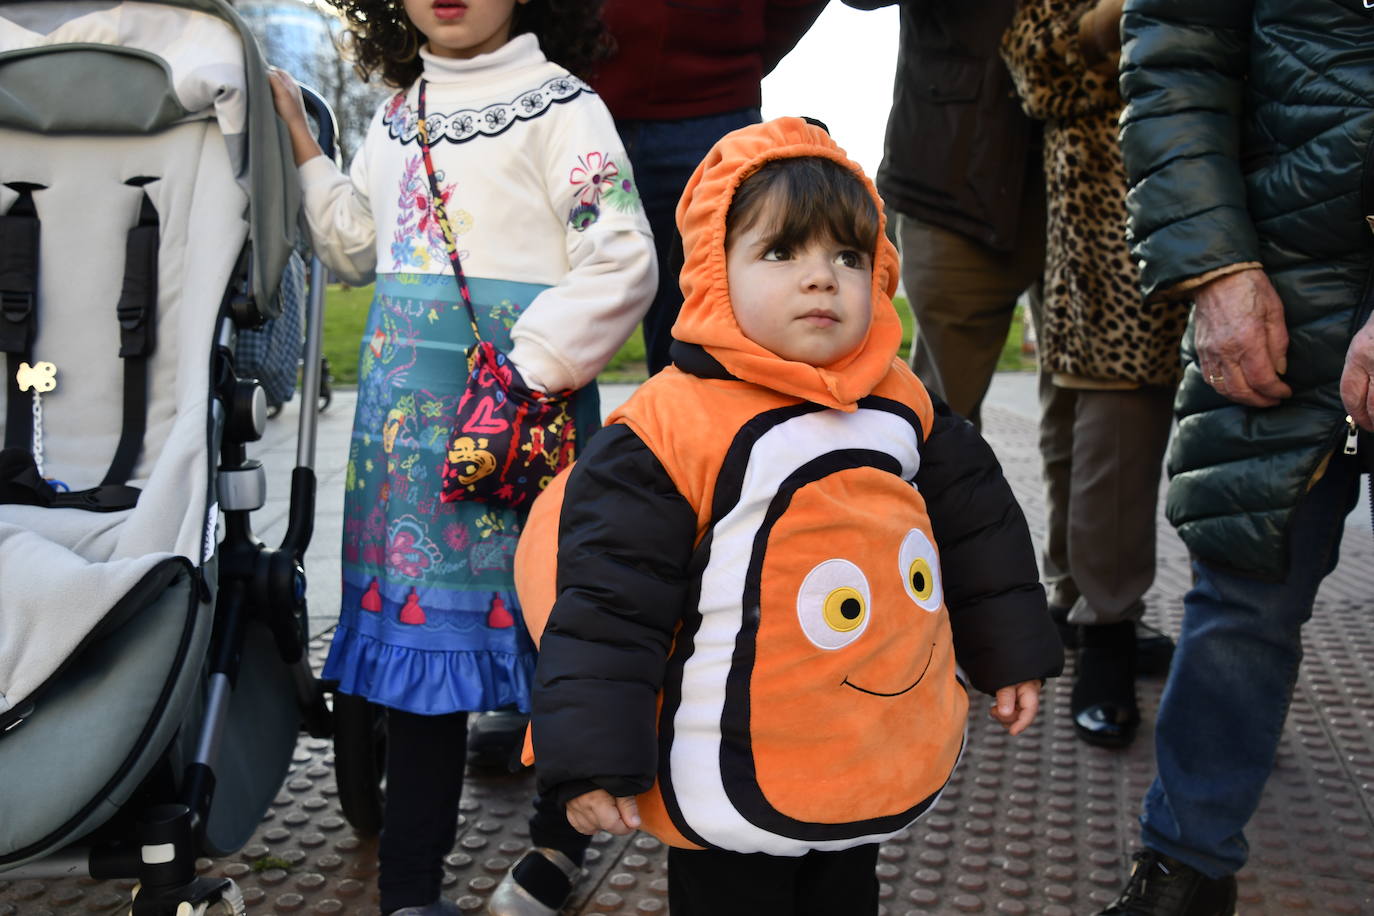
[(286, 98), (598, 810), (1015, 706)]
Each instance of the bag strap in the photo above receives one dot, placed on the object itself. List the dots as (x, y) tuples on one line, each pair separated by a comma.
[(19, 234), (436, 204)]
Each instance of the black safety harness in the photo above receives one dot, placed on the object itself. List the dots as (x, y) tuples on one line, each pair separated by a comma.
[(136, 312)]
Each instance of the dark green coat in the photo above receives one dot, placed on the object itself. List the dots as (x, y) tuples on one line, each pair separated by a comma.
[(1247, 137)]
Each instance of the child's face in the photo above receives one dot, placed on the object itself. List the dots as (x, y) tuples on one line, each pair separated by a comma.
[(811, 305), (462, 28)]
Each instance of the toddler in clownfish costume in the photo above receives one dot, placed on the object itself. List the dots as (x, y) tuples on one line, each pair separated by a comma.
[(779, 562)]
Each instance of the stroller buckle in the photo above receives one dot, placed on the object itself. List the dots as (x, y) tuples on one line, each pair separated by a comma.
[(16, 306)]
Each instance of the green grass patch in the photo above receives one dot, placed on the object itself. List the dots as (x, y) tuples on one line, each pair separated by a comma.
[(1014, 357), (345, 317), (270, 863)]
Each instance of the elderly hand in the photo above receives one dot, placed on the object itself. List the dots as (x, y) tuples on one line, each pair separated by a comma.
[(1241, 338), (1357, 379)]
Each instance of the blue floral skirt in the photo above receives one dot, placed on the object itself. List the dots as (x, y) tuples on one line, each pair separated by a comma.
[(429, 621)]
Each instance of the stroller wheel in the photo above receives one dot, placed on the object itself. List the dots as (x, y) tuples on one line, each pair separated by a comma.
[(359, 760)]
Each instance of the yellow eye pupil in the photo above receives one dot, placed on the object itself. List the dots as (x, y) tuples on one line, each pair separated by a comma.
[(844, 609), (922, 582)]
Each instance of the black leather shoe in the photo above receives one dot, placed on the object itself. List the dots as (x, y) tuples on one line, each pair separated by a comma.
[(1154, 649), (1103, 703), (1163, 886), (1107, 724)]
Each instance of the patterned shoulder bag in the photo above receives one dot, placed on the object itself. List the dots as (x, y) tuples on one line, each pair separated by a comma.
[(508, 441)]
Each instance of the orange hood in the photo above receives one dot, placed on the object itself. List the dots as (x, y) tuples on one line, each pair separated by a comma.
[(707, 318)]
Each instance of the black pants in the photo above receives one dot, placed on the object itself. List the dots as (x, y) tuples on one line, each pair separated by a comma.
[(712, 882), (425, 757)]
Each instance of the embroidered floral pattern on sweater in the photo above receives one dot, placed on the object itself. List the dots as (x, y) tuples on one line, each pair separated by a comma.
[(597, 178), (419, 237), (402, 121)]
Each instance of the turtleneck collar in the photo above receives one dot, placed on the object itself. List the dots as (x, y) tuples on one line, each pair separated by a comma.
[(520, 52)]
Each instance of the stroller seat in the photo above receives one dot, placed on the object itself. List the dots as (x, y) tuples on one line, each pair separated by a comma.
[(147, 208)]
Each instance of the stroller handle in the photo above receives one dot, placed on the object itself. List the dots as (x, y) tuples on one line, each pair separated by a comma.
[(301, 518), (327, 129)]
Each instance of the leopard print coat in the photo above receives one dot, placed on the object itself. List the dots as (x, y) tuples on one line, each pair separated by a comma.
[(1095, 323)]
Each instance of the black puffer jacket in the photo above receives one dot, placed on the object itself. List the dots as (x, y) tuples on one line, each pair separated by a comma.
[(1248, 136), (959, 151), (626, 531)]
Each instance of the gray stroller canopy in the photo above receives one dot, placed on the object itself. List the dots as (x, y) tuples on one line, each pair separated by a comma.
[(108, 90)]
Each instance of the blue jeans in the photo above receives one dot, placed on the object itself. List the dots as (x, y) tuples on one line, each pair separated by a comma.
[(663, 155), (1232, 679)]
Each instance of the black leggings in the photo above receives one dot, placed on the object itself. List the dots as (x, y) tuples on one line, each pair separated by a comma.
[(425, 758), (713, 882)]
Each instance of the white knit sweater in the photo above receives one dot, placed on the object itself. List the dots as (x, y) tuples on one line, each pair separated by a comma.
[(539, 190)]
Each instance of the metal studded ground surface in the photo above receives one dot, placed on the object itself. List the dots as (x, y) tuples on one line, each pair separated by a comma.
[(1040, 824)]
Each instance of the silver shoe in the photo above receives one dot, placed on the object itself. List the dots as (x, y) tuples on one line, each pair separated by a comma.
[(440, 907), (510, 899)]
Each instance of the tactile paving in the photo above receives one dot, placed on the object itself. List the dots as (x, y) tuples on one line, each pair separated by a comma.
[(1038, 824)]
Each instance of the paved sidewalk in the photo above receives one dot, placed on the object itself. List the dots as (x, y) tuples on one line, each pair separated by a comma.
[(1038, 824)]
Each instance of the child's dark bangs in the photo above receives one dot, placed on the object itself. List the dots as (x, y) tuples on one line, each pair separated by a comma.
[(804, 199)]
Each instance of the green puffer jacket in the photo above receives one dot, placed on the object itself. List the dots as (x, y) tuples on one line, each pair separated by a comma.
[(1248, 135)]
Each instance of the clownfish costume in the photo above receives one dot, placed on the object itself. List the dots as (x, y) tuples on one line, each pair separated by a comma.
[(743, 616)]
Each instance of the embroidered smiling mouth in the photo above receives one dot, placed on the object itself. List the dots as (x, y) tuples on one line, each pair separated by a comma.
[(877, 693)]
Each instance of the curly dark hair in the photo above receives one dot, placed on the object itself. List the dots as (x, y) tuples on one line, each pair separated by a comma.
[(380, 38)]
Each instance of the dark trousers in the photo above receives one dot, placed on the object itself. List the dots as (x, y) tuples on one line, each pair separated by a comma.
[(549, 827), (663, 155), (713, 882), (963, 296), (425, 757), (1102, 451)]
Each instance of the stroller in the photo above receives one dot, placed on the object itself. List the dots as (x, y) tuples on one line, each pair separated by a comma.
[(153, 678)]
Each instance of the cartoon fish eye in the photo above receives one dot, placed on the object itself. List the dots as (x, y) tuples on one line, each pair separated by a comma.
[(833, 604), (844, 609), (919, 567)]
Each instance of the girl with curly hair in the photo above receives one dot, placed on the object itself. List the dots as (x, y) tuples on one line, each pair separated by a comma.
[(538, 210)]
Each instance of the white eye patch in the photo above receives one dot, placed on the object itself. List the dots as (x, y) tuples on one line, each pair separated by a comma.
[(833, 604)]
